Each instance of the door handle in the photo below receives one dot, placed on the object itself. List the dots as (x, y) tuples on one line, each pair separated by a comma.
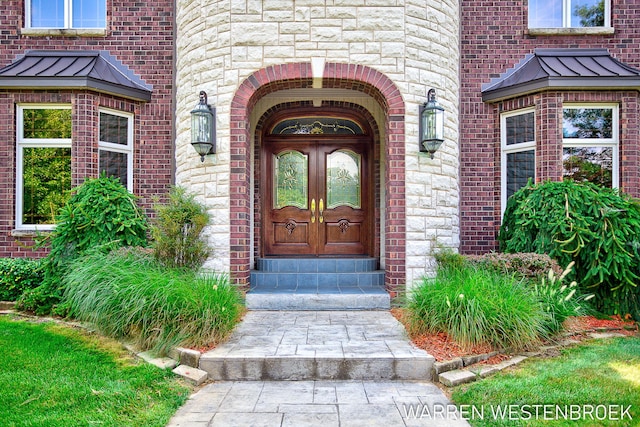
[(313, 210), (321, 210)]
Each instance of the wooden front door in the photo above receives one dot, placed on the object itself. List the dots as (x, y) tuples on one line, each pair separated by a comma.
[(317, 196)]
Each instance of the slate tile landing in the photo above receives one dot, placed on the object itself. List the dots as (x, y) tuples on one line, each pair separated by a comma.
[(317, 284)]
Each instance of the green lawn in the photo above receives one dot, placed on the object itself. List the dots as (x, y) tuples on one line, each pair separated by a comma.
[(52, 375), (600, 379)]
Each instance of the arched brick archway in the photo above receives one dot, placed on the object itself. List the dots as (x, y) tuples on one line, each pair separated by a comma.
[(299, 75)]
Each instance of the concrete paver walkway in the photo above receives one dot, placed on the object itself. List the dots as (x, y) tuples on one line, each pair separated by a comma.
[(318, 403), (318, 368), (309, 345)]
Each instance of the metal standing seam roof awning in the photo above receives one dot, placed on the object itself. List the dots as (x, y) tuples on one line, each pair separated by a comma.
[(54, 69), (562, 69)]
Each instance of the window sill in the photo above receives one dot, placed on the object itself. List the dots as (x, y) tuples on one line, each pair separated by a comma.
[(29, 232), (571, 31), (63, 32)]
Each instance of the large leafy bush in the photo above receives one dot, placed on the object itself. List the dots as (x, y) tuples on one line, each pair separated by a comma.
[(597, 228), (100, 213), (18, 275)]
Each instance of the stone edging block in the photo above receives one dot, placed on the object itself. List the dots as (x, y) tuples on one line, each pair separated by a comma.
[(193, 375)]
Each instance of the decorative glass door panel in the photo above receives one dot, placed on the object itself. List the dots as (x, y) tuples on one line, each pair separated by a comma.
[(314, 197), (343, 179), (291, 180)]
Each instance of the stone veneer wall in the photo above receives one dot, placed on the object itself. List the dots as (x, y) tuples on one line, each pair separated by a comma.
[(413, 43)]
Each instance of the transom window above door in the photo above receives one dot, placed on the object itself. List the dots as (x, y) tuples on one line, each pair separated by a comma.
[(317, 126)]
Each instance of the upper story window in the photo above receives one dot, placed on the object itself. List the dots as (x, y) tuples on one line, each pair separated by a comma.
[(590, 143), (569, 13), (65, 14), (518, 142)]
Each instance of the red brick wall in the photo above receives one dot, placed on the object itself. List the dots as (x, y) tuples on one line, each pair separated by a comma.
[(494, 38), (140, 35)]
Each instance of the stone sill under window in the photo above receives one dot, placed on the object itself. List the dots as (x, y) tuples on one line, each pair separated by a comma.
[(29, 233), (64, 32), (583, 31)]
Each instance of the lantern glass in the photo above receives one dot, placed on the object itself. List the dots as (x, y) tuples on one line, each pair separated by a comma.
[(203, 127), (431, 124)]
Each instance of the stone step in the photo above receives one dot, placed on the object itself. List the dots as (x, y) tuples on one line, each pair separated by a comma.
[(274, 368), (321, 281), (318, 345), (317, 284), (378, 300), (317, 265)]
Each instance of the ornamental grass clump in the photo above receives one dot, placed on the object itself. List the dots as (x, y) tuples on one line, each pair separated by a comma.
[(560, 300), (127, 294), (475, 306)]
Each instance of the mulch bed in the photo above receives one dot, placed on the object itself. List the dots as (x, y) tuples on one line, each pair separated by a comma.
[(440, 346)]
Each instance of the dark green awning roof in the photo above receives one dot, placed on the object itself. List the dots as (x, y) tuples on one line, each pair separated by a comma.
[(54, 69), (567, 69)]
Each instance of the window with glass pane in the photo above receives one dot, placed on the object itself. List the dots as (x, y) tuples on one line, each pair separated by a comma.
[(114, 165), (47, 13), (66, 13), (587, 123), (590, 146), (568, 13), (343, 179), (520, 128), (518, 152), (115, 155), (291, 170), (88, 13), (44, 164), (592, 164), (521, 167)]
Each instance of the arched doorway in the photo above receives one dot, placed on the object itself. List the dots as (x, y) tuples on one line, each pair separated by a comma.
[(358, 79), (317, 184)]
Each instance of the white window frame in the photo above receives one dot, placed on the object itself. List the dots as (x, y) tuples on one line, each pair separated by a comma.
[(512, 148), (566, 16), (21, 143), (613, 142), (119, 148), (68, 17)]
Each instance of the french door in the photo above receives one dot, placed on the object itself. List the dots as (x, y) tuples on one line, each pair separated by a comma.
[(316, 196)]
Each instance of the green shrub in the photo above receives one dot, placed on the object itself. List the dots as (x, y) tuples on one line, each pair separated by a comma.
[(447, 258), (526, 265), (475, 305), (559, 300), (100, 213), (598, 228), (128, 294), (176, 231), (18, 275)]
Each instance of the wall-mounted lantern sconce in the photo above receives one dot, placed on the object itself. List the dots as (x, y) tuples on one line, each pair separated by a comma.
[(203, 127), (431, 124)]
